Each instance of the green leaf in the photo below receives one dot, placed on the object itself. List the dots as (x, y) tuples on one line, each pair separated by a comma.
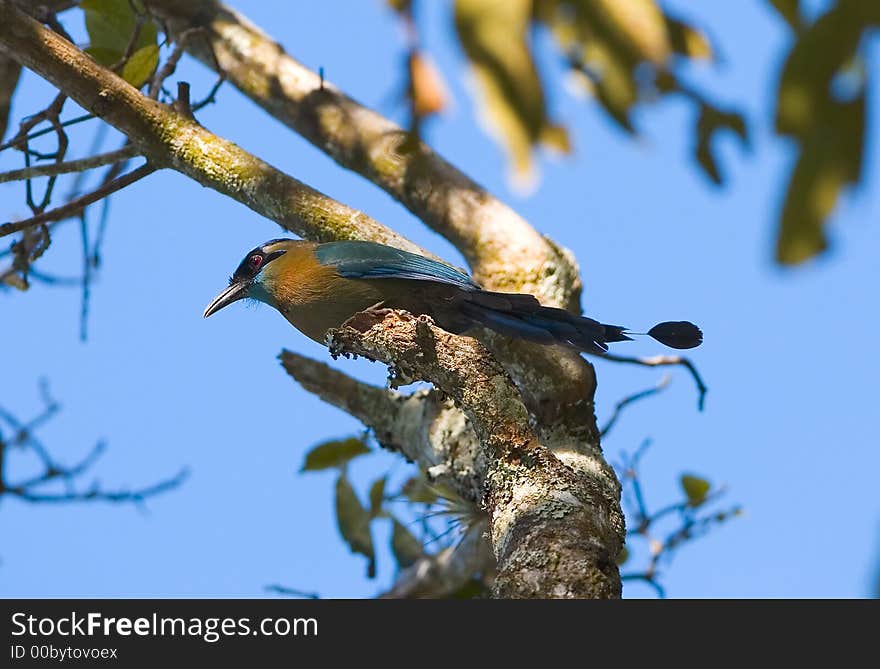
[(695, 488), (334, 454), (354, 523), (494, 35), (622, 556), (404, 545), (111, 25), (377, 497), (140, 67), (105, 57), (417, 490)]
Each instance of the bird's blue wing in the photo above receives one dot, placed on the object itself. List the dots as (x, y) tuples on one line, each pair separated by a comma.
[(368, 260)]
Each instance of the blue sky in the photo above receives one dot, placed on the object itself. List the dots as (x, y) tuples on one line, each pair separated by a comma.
[(788, 424)]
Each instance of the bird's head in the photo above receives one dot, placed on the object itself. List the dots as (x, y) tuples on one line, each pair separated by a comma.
[(254, 276)]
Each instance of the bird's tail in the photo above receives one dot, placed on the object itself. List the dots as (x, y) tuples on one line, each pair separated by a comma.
[(523, 317)]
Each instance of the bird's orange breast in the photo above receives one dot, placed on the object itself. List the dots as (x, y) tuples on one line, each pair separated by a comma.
[(313, 297)]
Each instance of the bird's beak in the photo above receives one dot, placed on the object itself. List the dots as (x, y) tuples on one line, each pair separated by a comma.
[(235, 292)]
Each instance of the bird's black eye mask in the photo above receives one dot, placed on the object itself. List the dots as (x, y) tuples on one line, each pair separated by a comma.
[(252, 264)]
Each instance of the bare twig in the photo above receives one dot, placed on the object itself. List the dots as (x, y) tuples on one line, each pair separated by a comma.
[(80, 165), (31, 489), (16, 141), (635, 397), (75, 206), (650, 579), (662, 360), (291, 592)]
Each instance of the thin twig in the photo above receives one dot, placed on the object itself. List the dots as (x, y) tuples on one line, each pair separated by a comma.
[(291, 592), (15, 141), (75, 206), (635, 397), (662, 360), (96, 495), (80, 165), (646, 578)]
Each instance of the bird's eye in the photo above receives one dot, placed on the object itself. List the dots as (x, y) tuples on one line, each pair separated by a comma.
[(256, 261)]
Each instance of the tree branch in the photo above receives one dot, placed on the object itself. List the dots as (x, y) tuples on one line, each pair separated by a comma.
[(76, 205), (425, 427), (556, 529), (169, 139), (81, 165), (502, 249)]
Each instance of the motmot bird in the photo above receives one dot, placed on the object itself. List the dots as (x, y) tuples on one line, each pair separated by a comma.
[(317, 287)]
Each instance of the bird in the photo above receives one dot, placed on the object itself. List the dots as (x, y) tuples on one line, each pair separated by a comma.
[(319, 286)]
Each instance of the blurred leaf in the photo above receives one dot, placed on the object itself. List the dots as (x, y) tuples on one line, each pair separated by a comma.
[(819, 53), (638, 26), (405, 547), (427, 90), (830, 159), (821, 103), (790, 11), (494, 35), (140, 67), (354, 523), (417, 489), (377, 497), (399, 6), (695, 488), (623, 556), (711, 121), (334, 454), (688, 41)]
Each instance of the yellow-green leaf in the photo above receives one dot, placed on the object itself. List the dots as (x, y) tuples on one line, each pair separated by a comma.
[(377, 497), (688, 41), (818, 55), (711, 121), (622, 556), (494, 35), (636, 25), (354, 523), (696, 489), (404, 545), (140, 67), (334, 454), (830, 159)]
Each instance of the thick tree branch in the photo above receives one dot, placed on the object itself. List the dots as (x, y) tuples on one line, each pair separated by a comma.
[(556, 528), (172, 140), (425, 427), (10, 71)]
